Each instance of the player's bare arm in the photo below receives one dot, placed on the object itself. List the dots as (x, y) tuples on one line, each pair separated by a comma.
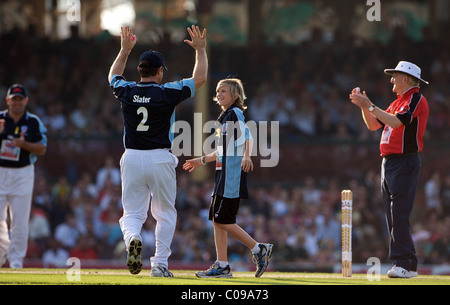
[(247, 164), (192, 164), (127, 43), (198, 42), (371, 117), (2, 125)]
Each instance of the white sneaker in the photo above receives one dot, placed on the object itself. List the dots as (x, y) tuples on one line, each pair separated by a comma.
[(399, 272), (160, 271), (16, 265)]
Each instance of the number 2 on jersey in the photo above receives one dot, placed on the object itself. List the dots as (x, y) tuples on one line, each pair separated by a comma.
[(142, 126)]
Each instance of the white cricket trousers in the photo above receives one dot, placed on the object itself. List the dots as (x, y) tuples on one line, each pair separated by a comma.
[(16, 191), (149, 175)]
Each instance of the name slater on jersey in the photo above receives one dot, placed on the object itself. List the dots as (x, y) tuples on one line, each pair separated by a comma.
[(141, 99)]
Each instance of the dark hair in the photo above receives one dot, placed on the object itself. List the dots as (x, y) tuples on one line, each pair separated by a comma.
[(145, 70)]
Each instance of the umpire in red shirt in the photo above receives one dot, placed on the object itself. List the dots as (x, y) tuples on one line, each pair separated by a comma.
[(403, 123)]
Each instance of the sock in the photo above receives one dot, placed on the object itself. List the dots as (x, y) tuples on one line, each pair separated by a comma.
[(222, 264), (256, 249)]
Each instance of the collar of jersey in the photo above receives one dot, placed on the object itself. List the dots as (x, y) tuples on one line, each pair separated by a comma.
[(409, 92), (223, 113), (146, 84), (5, 114)]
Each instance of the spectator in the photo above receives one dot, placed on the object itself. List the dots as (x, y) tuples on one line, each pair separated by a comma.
[(304, 117), (84, 249), (80, 117), (108, 172), (85, 187), (67, 233), (39, 229), (56, 256), (432, 192), (111, 228), (311, 241), (39, 225), (61, 189), (55, 120), (328, 228), (311, 194), (446, 195), (42, 196)]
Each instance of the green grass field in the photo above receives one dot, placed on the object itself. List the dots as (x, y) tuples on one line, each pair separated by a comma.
[(184, 277)]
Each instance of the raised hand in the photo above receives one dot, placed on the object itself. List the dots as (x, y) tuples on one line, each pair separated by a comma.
[(127, 39), (198, 39)]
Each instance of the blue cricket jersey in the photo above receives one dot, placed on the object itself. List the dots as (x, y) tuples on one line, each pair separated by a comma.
[(34, 131), (230, 179), (149, 110)]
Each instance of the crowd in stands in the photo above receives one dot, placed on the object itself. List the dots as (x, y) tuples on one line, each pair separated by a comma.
[(303, 221), (304, 87)]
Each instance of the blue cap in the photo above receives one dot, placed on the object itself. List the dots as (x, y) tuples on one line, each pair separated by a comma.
[(152, 59), (16, 90)]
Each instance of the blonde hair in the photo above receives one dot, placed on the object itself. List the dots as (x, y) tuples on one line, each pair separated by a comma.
[(236, 90)]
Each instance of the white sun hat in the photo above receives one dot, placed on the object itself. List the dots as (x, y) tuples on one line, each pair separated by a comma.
[(408, 68)]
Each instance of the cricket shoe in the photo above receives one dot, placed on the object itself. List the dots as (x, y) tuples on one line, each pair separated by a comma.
[(134, 262), (160, 271), (215, 271), (399, 272), (261, 259)]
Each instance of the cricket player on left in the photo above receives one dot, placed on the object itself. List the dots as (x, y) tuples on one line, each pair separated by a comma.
[(23, 138)]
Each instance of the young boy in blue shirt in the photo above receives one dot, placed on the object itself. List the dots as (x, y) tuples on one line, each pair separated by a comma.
[(233, 163)]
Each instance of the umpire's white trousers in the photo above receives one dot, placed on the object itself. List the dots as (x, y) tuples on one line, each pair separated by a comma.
[(148, 173), (16, 191)]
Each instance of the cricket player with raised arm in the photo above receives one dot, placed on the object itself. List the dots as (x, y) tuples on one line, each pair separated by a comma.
[(147, 165)]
